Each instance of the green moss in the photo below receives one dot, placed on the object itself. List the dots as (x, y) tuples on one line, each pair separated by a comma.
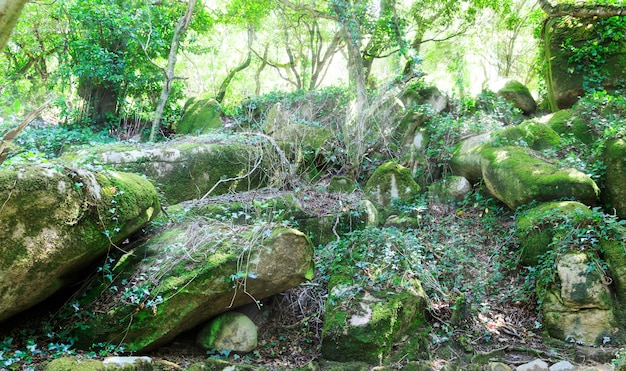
[(391, 181), (75, 364), (566, 124), (342, 184), (614, 157), (201, 116), (532, 134), (516, 177)]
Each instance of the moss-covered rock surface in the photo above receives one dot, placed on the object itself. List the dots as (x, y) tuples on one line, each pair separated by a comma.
[(201, 116), (391, 181), (516, 176), (615, 160), (55, 221), (194, 167), (189, 273)]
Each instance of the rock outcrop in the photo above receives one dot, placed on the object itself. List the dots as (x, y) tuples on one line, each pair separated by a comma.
[(586, 250), (519, 95), (614, 158)]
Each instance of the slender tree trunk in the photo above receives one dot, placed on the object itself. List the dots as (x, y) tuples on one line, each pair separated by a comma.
[(242, 66), (179, 31), (355, 127), (9, 13)]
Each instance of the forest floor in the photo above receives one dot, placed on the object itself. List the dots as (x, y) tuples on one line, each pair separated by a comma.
[(500, 323)]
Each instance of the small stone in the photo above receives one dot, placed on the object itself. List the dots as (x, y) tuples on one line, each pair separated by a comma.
[(229, 331), (536, 365), (562, 366)]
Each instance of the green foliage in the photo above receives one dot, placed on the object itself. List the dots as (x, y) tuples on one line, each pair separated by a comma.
[(605, 115), (327, 107), (45, 143), (466, 117), (601, 39)]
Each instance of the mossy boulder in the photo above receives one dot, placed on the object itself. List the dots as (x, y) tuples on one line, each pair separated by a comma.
[(614, 158), (192, 167), (584, 303), (565, 81), (321, 216), (516, 176), (229, 331), (75, 364), (390, 181), (519, 95), (298, 136), (531, 134), (56, 221), (534, 226), (188, 273), (372, 301), (201, 116), (567, 124), (467, 158), (366, 327)]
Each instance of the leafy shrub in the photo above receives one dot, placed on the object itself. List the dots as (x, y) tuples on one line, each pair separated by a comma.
[(324, 107), (47, 142)]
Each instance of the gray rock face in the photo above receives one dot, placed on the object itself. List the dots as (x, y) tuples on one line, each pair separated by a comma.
[(55, 221), (581, 310)]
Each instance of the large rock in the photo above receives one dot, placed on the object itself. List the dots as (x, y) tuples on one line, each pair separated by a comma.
[(190, 168), (615, 160), (580, 310), (281, 127), (390, 182), (565, 80), (519, 95), (375, 298), (321, 216), (201, 116), (55, 221), (306, 144), (229, 331), (516, 176), (567, 124), (189, 273), (585, 295)]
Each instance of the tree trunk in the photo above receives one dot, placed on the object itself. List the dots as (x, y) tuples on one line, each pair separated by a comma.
[(9, 13), (355, 127), (179, 31), (242, 66)]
